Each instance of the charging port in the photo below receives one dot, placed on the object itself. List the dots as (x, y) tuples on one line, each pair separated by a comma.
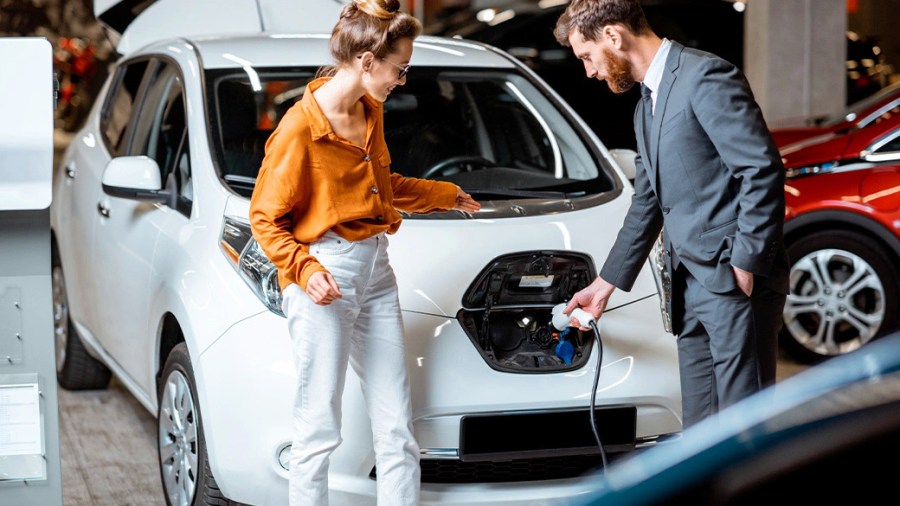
[(507, 311)]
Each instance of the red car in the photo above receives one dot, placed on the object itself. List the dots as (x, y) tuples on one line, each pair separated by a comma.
[(858, 116), (842, 229)]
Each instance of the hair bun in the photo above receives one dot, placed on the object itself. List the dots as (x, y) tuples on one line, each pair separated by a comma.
[(381, 9)]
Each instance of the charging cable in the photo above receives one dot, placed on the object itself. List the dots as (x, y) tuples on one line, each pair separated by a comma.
[(593, 326), (561, 320)]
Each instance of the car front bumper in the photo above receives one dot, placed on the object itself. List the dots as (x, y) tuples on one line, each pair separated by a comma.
[(246, 385)]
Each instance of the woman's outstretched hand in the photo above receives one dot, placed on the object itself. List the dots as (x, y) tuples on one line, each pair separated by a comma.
[(465, 202)]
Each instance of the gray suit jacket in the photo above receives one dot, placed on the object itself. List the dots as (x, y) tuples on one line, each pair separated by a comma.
[(711, 175)]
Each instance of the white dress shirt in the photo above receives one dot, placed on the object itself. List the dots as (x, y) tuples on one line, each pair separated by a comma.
[(655, 71)]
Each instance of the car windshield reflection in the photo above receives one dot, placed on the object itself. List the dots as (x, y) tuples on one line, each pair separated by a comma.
[(491, 132)]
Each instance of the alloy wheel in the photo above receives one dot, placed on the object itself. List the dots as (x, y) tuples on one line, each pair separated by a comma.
[(836, 302), (178, 445)]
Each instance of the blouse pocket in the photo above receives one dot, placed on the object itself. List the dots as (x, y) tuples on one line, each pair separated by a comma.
[(384, 159)]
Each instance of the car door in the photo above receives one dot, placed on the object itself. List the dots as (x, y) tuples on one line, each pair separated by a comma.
[(128, 232), (79, 191)]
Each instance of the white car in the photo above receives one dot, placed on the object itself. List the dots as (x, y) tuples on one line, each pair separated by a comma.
[(158, 280)]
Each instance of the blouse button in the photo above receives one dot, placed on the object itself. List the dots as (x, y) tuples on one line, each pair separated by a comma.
[(366, 158), (379, 217), (374, 189)]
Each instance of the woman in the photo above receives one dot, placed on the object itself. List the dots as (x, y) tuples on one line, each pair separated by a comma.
[(324, 201)]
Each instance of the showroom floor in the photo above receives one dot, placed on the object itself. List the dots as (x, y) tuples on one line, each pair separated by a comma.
[(108, 447)]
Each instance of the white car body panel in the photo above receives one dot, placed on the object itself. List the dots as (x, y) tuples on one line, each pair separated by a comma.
[(241, 352), (253, 363), (168, 19)]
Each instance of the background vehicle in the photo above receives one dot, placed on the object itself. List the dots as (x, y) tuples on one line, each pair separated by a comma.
[(158, 279), (793, 442), (843, 239), (525, 30), (867, 70), (858, 115), (75, 62)]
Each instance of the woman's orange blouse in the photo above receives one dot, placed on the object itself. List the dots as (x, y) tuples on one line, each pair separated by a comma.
[(313, 180)]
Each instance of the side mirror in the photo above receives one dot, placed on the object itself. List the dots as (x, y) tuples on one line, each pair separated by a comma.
[(135, 178), (625, 160)]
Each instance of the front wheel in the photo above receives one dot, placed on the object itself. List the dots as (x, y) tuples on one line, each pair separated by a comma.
[(183, 463), (76, 369), (844, 293)]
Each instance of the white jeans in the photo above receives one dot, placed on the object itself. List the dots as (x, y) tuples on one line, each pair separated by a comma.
[(363, 328)]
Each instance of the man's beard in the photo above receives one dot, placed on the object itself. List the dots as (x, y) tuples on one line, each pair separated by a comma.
[(618, 72)]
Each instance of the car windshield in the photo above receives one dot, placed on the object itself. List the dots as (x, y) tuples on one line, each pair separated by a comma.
[(492, 132)]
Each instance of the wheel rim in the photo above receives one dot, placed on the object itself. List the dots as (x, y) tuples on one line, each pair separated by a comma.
[(60, 316), (836, 303), (178, 440)]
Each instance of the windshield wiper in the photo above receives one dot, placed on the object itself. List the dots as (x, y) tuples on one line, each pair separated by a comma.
[(528, 194)]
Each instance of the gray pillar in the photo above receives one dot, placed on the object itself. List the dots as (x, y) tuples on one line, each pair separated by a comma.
[(794, 57)]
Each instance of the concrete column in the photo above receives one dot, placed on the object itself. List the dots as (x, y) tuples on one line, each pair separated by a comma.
[(794, 57)]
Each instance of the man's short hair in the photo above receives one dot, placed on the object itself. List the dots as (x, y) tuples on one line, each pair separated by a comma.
[(590, 16)]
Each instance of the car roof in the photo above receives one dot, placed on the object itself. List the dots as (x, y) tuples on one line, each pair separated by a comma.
[(286, 50), (133, 24)]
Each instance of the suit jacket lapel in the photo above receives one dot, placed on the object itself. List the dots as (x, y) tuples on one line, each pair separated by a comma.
[(662, 98)]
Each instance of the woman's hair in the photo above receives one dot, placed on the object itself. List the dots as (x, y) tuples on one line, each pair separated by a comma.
[(369, 25), (590, 16)]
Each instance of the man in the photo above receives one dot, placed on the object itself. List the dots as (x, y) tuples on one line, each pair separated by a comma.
[(709, 176)]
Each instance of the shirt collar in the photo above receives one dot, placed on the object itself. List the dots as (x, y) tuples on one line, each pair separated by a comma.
[(318, 123), (654, 74)]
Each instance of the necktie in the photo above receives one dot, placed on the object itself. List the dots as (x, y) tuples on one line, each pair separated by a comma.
[(648, 113)]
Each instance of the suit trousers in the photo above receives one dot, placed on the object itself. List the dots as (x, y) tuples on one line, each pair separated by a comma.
[(362, 328), (728, 344)]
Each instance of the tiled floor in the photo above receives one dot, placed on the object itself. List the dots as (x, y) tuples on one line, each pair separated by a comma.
[(108, 449)]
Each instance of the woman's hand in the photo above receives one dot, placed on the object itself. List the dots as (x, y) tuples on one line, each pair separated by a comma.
[(322, 288), (465, 202)]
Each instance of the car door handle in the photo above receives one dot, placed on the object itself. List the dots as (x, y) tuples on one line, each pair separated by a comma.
[(70, 171), (103, 210)]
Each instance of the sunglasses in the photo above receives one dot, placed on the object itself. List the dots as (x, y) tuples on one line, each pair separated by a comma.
[(402, 70)]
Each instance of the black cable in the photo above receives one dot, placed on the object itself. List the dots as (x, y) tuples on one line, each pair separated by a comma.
[(594, 394)]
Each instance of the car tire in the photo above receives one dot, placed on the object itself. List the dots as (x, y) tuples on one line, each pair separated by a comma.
[(180, 437), (822, 317), (76, 369)]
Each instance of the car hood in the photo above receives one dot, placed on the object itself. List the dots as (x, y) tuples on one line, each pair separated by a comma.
[(827, 147), (786, 136), (436, 260), (132, 24)]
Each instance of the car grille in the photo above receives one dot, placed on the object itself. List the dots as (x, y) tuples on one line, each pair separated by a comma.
[(520, 435), (535, 469), (532, 446)]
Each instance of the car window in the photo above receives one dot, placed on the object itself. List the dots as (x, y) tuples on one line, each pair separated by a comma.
[(160, 132), (889, 146), (489, 131), (120, 104), (888, 96)]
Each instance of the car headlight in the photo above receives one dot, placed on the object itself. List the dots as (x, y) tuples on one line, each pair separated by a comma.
[(251, 263), (663, 281)]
